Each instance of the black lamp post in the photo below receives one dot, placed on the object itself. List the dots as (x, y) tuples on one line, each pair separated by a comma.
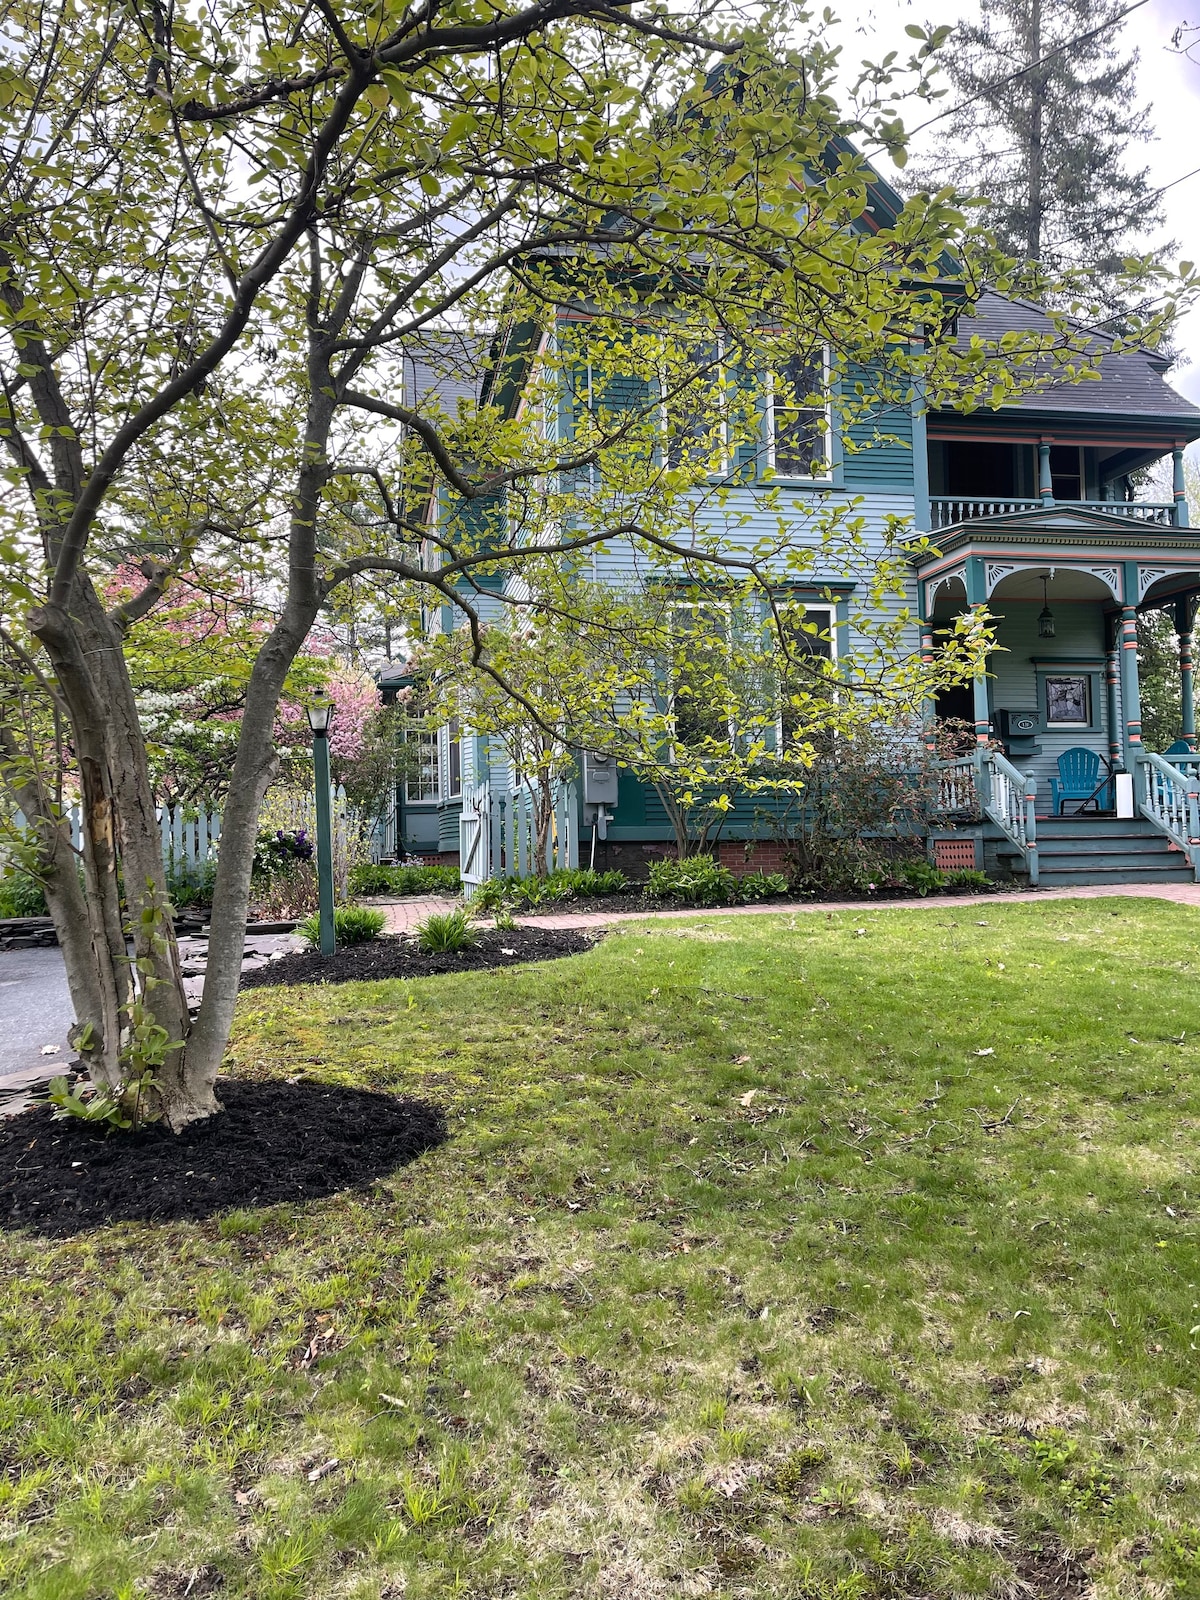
[(320, 719)]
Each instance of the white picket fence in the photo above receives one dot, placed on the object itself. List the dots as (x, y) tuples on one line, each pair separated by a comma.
[(190, 835), (496, 834)]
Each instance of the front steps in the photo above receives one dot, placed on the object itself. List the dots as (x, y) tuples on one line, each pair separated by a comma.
[(1093, 849)]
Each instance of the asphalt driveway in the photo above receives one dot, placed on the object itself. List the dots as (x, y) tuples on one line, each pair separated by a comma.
[(35, 1010)]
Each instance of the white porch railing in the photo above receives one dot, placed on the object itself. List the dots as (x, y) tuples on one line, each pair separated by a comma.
[(958, 787), (946, 510), (1171, 800), (1156, 511), (1008, 799)]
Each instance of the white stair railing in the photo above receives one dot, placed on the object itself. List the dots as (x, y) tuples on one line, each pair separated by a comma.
[(1009, 797), (958, 787), (1171, 800)]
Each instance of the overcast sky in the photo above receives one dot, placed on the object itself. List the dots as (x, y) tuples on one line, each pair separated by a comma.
[(1167, 82)]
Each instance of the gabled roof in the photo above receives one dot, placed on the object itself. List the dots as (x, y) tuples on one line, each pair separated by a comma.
[(443, 366), (1130, 382)]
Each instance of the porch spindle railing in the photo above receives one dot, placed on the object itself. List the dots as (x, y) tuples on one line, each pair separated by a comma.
[(1171, 800), (957, 787), (946, 510), (1008, 799)]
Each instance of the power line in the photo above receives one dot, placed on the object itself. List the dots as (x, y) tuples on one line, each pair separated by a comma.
[(1173, 182), (1023, 72)]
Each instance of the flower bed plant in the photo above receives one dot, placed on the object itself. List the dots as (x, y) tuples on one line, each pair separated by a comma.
[(375, 877), (351, 925)]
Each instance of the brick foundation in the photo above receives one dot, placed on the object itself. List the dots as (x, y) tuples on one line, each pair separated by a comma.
[(764, 855)]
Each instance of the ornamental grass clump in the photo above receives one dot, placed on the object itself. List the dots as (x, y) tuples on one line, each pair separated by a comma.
[(351, 925), (445, 933)]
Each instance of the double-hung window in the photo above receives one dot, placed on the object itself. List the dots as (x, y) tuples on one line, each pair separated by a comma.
[(695, 410), (806, 638), (421, 767), (700, 673), (800, 422)]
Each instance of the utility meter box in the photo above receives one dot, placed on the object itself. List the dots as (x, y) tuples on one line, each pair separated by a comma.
[(1018, 730), (599, 780)]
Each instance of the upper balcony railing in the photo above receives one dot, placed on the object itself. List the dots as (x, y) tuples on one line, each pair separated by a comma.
[(947, 510)]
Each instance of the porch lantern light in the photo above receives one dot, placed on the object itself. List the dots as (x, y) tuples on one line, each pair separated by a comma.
[(320, 717), (1046, 616)]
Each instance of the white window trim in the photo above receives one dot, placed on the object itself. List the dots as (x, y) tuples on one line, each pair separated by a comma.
[(427, 737), (829, 611), (726, 608), (827, 475), (722, 466)]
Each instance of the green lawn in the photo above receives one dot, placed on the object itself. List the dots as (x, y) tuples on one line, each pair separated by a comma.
[(832, 1256)]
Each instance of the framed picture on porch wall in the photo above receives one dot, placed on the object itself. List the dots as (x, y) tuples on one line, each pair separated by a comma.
[(1067, 701)]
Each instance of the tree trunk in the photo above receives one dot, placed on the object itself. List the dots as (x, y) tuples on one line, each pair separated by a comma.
[(1035, 154), (543, 818)]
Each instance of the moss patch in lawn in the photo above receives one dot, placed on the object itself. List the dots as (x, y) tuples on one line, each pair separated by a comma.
[(834, 1257)]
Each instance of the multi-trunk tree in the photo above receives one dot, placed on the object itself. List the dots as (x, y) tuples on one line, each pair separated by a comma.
[(222, 233)]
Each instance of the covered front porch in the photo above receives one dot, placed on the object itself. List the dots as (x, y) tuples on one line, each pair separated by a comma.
[(1057, 714)]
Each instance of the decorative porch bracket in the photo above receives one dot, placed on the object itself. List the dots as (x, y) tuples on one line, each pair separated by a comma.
[(1171, 801), (1008, 800)]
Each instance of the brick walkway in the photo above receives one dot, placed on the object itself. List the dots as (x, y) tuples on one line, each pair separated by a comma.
[(403, 915)]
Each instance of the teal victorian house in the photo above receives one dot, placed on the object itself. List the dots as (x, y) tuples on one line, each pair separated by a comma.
[(1034, 512)]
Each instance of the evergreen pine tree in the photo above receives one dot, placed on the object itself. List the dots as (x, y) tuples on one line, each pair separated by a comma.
[(1047, 114)]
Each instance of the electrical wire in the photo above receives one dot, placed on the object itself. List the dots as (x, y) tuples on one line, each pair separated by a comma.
[(1023, 72)]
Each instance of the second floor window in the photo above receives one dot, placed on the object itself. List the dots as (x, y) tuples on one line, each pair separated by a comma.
[(695, 408), (800, 423)]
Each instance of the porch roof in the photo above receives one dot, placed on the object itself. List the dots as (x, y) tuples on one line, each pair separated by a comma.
[(1138, 563)]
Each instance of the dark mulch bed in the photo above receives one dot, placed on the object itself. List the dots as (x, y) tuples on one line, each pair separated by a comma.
[(274, 1141), (400, 957), (634, 900), (613, 903)]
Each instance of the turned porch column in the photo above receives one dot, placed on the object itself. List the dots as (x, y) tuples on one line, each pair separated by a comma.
[(1112, 681), (1179, 515), (1184, 627), (1131, 698), (929, 705), (1045, 479), (977, 600)]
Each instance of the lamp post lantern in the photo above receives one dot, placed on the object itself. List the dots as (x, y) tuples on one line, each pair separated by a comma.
[(320, 718)]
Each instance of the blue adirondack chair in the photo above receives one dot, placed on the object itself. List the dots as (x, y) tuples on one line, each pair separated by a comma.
[(1180, 748), (1078, 779)]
